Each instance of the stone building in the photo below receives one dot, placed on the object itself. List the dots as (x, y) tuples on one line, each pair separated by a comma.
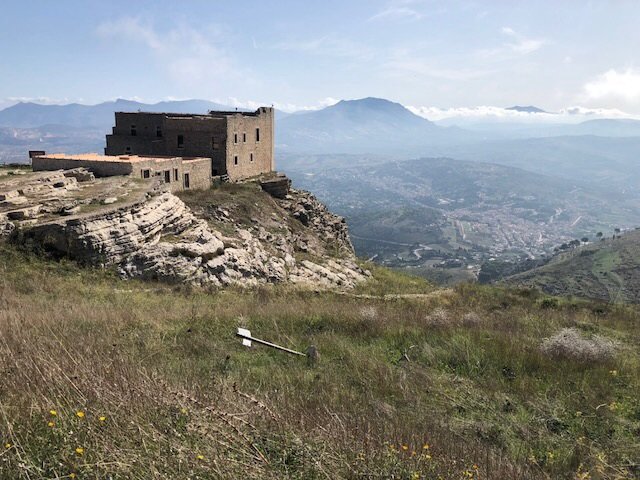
[(239, 144), (178, 173)]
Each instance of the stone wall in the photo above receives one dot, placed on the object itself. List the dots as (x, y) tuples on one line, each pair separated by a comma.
[(249, 156), (99, 167), (170, 170), (212, 136)]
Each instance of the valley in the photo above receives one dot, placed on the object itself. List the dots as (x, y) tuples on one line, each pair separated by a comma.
[(443, 218)]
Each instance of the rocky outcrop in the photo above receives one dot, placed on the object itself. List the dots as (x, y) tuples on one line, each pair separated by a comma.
[(108, 237), (156, 235), (330, 228)]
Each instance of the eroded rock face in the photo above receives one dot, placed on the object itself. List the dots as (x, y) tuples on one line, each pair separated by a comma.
[(159, 237), (109, 237)]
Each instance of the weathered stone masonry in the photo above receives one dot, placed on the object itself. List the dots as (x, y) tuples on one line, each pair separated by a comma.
[(177, 173), (239, 144)]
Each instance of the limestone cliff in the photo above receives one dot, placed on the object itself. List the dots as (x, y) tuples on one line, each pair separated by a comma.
[(232, 235)]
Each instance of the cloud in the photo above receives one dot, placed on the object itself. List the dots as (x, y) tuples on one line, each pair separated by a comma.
[(285, 107), (328, 45), (612, 85), (399, 10), (518, 45), (189, 55), (498, 114)]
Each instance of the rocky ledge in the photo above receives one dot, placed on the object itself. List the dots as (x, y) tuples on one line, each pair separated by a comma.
[(207, 241)]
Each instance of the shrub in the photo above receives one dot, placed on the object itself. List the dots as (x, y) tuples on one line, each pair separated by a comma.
[(471, 319), (369, 312), (570, 343), (439, 318)]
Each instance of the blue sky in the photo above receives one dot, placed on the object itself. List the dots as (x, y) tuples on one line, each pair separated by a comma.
[(431, 55)]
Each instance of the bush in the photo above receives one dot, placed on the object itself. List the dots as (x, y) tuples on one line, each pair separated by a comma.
[(570, 343)]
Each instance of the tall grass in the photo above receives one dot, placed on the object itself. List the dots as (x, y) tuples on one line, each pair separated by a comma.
[(167, 391)]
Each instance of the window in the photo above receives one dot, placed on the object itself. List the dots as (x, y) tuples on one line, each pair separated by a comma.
[(175, 174), (180, 141), (186, 180), (167, 176), (134, 132), (257, 134), (146, 173), (214, 143), (235, 159), (251, 157), (159, 132), (244, 137), (235, 138), (127, 149)]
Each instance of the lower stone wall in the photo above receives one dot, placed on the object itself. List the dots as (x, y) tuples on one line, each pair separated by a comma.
[(172, 171), (100, 168)]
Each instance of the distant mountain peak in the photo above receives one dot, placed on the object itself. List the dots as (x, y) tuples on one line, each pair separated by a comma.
[(526, 109)]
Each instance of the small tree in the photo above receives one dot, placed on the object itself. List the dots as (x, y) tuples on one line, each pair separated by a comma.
[(599, 234), (585, 239)]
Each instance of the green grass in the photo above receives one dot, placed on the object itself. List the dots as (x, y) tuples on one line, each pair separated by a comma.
[(182, 398)]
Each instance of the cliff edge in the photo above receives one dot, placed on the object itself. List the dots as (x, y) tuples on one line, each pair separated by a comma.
[(233, 234)]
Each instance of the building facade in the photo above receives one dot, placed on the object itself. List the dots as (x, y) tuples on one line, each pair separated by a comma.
[(178, 173), (237, 144)]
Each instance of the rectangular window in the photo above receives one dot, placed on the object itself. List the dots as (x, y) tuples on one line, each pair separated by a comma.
[(175, 174), (257, 134), (251, 157), (159, 132), (146, 173), (134, 132), (186, 180), (235, 159), (235, 138), (244, 137), (127, 149), (214, 143), (180, 141), (167, 176)]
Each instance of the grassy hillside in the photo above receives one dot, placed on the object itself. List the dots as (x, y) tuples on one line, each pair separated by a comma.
[(608, 270), (136, 380)]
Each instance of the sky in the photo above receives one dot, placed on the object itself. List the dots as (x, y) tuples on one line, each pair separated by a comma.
[(434, 56)]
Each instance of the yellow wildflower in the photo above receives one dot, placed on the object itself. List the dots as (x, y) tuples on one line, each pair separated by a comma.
[(102, 418), (51, 424), (53, 413), (200, 457), (80, 450), (7, 445), (80, 414), (425, 446), (578, 413), (613, 373), (405, 447), (415, 476), (427, 456), (72, 475)]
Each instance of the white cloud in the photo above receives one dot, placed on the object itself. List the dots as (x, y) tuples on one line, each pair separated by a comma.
[(283, 106), (612, 84), (329, 45), (399, 10), (189, 55), (41, 100), (500, 114), (518, 45)]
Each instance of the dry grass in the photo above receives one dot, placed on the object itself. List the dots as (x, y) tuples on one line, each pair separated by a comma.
[(572, 344), (183, 399)]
